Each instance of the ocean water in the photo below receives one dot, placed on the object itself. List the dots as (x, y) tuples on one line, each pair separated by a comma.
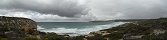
[(75, 28)]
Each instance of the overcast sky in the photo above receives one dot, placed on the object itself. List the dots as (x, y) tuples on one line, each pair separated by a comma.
[(83, 10)]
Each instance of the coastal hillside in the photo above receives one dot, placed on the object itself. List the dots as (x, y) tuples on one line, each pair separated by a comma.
[(15, 28), (146, 29), (12, 28)]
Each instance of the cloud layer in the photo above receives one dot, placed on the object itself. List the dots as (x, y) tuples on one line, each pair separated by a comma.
[(83, 10), (39, 17), (127, 9), (45, 10)]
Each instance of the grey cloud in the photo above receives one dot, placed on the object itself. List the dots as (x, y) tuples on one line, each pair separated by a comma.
[(100, 9), (130, 8), (55, 7)]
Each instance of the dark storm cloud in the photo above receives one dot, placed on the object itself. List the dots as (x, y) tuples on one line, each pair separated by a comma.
[(55, 7)]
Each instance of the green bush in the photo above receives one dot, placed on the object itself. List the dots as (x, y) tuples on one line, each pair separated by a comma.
[(30, 38), (156, 37), (3, 38), (116, 36), (52, 36)]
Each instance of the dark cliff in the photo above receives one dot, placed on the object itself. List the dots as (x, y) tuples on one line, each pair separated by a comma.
[(17, 28), (14, 28)]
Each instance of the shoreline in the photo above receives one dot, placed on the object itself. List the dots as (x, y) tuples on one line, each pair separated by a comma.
[(150, 29), (84, 32), (26, 29)]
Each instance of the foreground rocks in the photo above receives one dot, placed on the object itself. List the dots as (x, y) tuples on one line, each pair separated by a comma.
[(12, 28)]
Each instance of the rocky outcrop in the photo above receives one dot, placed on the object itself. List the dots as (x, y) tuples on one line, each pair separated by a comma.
[(15, 28)]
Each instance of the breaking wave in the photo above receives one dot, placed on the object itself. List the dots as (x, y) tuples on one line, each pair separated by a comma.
[(76, 31)]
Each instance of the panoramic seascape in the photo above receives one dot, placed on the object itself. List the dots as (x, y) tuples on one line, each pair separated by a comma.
[(83, 20)]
